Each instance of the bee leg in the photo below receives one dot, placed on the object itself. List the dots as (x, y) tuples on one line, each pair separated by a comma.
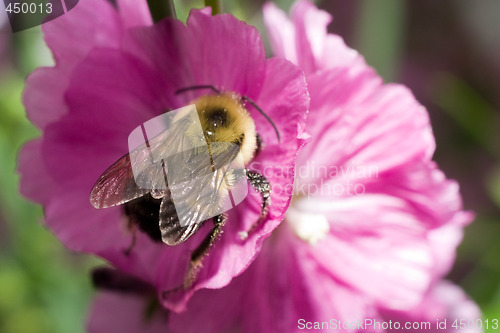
[(201, 251), (133, 229), (261, 184)]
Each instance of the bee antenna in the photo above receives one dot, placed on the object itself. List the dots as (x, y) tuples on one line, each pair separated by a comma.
[(203, 86), (263, 113), (208, 86)]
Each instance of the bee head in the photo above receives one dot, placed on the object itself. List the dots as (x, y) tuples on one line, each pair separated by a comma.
[(224, 119)]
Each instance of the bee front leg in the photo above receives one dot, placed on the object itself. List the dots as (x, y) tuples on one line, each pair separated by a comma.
[(261, 184), (201, 251)]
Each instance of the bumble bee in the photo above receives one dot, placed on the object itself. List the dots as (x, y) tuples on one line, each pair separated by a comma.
[(229, 131)]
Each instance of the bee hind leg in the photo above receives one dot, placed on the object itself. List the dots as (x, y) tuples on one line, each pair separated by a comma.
[(133, 229), (202, 250), (261, 184)]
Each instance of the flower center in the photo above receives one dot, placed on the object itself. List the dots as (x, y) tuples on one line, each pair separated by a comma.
[(308, 226)]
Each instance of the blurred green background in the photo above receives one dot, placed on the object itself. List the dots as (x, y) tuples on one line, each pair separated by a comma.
[(447, 52)]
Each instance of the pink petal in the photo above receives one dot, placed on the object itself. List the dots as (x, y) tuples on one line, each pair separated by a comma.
[(281, 98), (71, 37), (225, 304), (310, 27), (396, 238), (390, 266), (445, 240), (124, 313), (74, 34), (35, 182), (41, 109), (284, 284), (281, 32), (361, 124), (198, 53), (434, 200), (445, 301), (304, 39)]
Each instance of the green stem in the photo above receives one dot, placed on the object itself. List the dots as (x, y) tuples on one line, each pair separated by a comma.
[(161, 9), (215, 4)]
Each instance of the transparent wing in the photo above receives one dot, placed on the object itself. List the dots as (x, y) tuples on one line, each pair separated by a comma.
[(200, 191), (116, 186), (140, 171)]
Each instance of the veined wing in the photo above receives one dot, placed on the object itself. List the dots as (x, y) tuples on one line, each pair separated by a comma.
[(204, 194), (141, 171)]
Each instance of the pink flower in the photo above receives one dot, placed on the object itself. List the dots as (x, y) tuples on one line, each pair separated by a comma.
[(369, 163), (113, 72), (373, 225)]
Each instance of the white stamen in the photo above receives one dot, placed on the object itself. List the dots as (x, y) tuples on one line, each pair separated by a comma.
[(309, 227)]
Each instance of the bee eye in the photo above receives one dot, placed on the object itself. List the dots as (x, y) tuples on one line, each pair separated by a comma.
[(218, 118)]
